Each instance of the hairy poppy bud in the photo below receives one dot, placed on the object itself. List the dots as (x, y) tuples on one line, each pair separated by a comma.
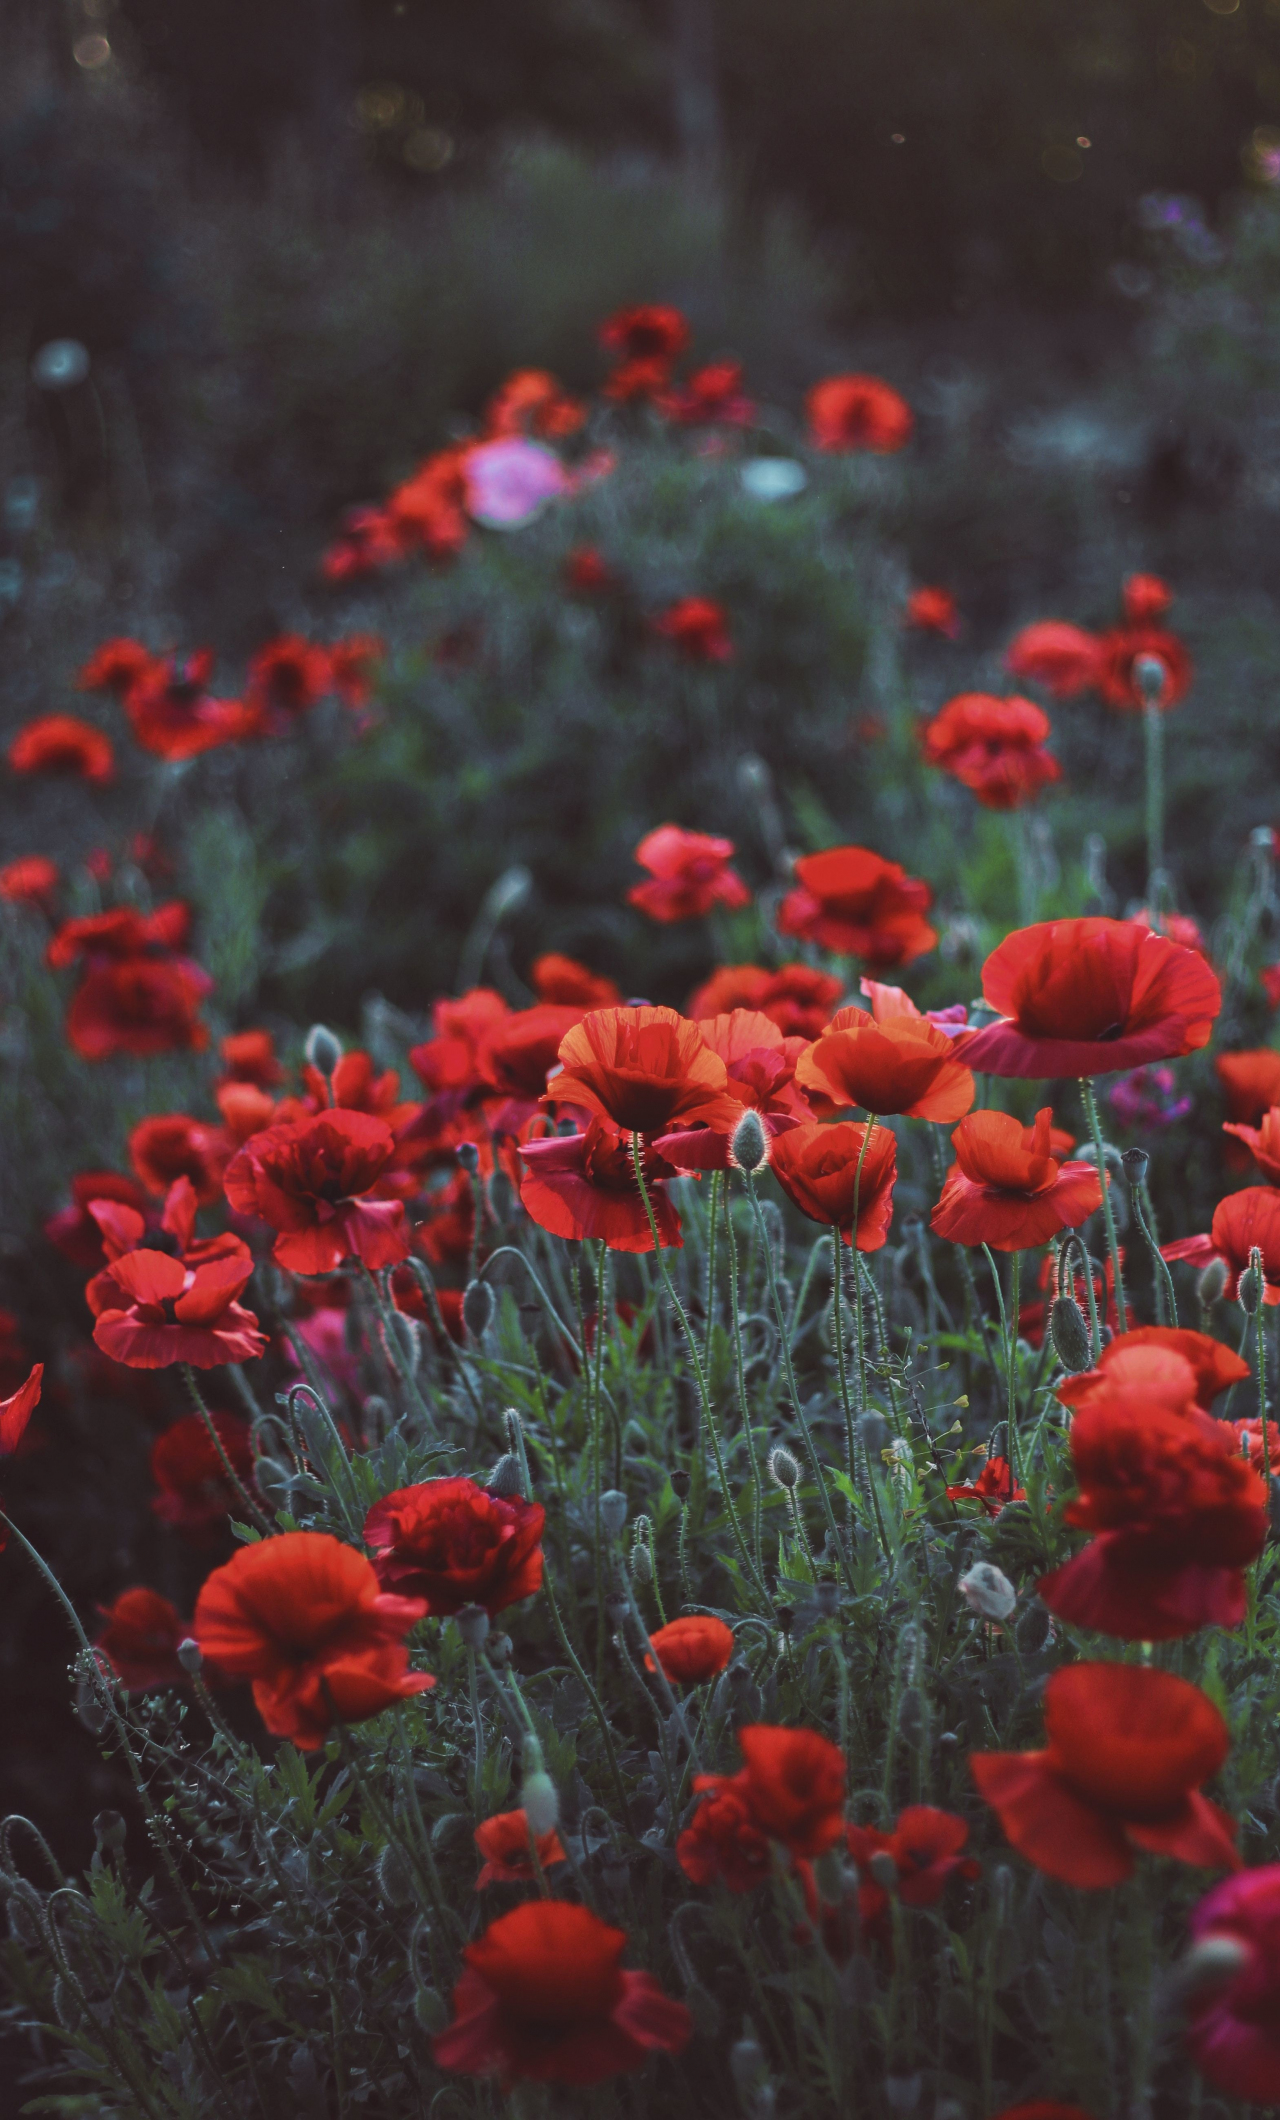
[(884, 1869), (680, 1485), (749, 1142), (1135, 1161), (987, 1591), (109, 1830), (641, 1558), (404, 1335), (1249, 1288), (783, 1469), (323, 1050), (498, 1649), (469, 1157), (1070, 1334), (477, 1308), (613, 1511), (538, 1791), (472, 1623), (746, 2060), (191, 1656), (506, 1477), (1212, 1282), (1150, 675)]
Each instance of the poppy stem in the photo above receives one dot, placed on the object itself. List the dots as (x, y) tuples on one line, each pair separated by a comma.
[(1260, 1346), (1090, 1103), (713, 1216), (856, 1446), (757, 1481), (590, 1691), (241, 1492), (473, 1687), (1153, 729), (1166, 1298), (1010, 1362), (387, 1319)]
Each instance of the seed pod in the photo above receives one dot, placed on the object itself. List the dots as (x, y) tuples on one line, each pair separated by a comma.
[(680, 1485), (1135, 1161), (323, 1049), (477, 1308), (1150, 676), (469, 1157), (1070, 1334)]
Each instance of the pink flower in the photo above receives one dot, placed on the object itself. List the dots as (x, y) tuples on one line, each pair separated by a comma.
[(510, 481), (1234, 2029)]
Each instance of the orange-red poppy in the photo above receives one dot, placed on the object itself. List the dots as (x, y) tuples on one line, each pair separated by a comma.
[(567, 983), (858, 412), (1262, 1141), (1243, 1222), (504, 1843), (698, 627), (854, 902), (1007, 1190), (902, 1063), (994, 747), (583, 1185), (817, 1168), (31, 880), (689, 873), (1061, 657), (1140, 1356), (643, 1068), (932, 610), (63, 743), (797, 997), (1145, 597), (691, 1649), (1251, 1080), (532, 401), (1123, 648)]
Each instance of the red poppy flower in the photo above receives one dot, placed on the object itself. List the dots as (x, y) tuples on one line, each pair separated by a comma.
[(17, 1409), (1262, 1142), (903, 1064), (287, 676), (712, 396), (588, 573), (120, 933), (63, 743), (73, 1230), (1128, 1749), (816, 1167), (116, 666), (933, 610), (692, 1649), (1145, 597), (304, 1618), (543, 1999), (1005, 1188), (1089, 997), (31, 880), (516, 1057), (858, 412), (1251, 1081), (140, 1006), (761, 1063), (584, 1185), (690, 873), (368, 541), (139, 1638), (310, 1180), (1140, 1358), (1243, 1222), (451, 1543), (799, 999), (164, 1310), (1061, 657), (1176, 1513), (449, 1060), (532, 401), (1233, 2035), (924, 1847), (429, 511), (564, 981), (193, 1494), (250, 1056), (504, 1843), (994, 1487), (723, 1841), (795, 1782), (699, 628), (994, 747), (1121, 649), (172, 715), (643, 1068), (173, 1145), (355, 1085), (851, 901), (648, 331)]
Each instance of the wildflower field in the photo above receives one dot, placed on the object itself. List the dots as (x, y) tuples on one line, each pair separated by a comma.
[(674, 1507)]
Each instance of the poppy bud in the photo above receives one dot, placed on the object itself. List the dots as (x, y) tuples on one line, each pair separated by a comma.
[(1212, 1282), (506, 1477), (680, 1485), (477, 1308), (508, 894), (884, 1869), (746, 2060), (986, 1591), (538, 1791), (498, 1649), (469, 1157), (641, 1558), (749, 1143), (323, 1050), (613, 1511), (617, 1605), (1150, 676), (191, 1656), (786, 1617), (1135, 1161), (502, 1196), (109, 1830), (783, 1469), (1210, 1963), (1070, 1334), (405, 1336), (395, 1881), (1250, 1286), (472, 1623)]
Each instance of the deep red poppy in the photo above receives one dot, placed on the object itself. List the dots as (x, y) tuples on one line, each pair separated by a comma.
[(933, 610), (723, 1841), (924, 1848), (1061, 657), (902, 1063), (564, 981), (795, 1783), (63, 743), (1121, 649), (121, 933), (761, 1063), (504, 1843), (117, 665), (287, 676), (713, 396), (1251, 1081), (588, 573), (356, 1086), (173, 715), (139, 1637), (31, 880), (797, 997), (853, 902), (691, 1649), (1243, 1222), (817, 1165), (163, 1310), (449, 1060), (1262, 1141), (643, 1068), (193, 1494), (74, 1231), (1089, 997), (173, 1145), (533, 401), (250, 1056), (699, 628), (1005, 1188), (1234, 2031), (1145, 597), (1129, 1747), (368, 540), (542, 1998), (648, 331), (451, 1543), (17, 1409), (583, 1185), (689, 873), (994, 1487), (304, 1618), (994, 747), (310, 1180), (140, 1006), (858, 412), (514, 1060), (1139, 1358)]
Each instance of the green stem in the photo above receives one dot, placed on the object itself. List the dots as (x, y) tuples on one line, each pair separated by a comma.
[(757, 1481), (1153, 724), (713, 1217), (236, 1484), (1090, 1102), (856, 1448), (386, 1318), (1166, 1299)]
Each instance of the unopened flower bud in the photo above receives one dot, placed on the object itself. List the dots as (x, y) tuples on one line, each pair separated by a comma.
[(509, 892), (431, 2010), (191, 1656), (1249, 1288), (472, 1623), (395, 1879), (613, 1511), (749, 1143), (469, 1157), (1211, 1961), (783, 1469), (641, 1558), (323, 1050), (506, 1477), (1212, 1282), (786, 1617), (477, 1308), (1135, 1161), (404, 1336), (746, 2061), (1070, 1334), (884, 1869), (502, 1196), (680, 1485), (986, 1591), (874, 1431), (498, 1649), (538, 1791), (1150, 676), (109, 1830)]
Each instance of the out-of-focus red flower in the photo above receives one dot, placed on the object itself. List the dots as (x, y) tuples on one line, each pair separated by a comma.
[(1251, 1081), (515, 1058), (139, 1637), (193, 1494), (449, 1061), (924, 1848), (994, 1487), (354, 1086), (1233, 2035), (723, 1840), (1063, 658), (173, 715), (250, 1056), (63, 743), (429, 511), (1121, 649), (699, 628), (164, 1310), (795, 1784), (569, 984), (17, 1409), (588, 573), (858, 412), (854, 902), (245, 1110), (173, 1145), (1128, 1750), (532, 401), (303, 1617), (451, 1543), (647, 331), (1140, 1356), (1145, 597), (1005, 1189), (286, 677), (120, 933), (903, 1064), (73, 1230), (117, 665), (542, 1998), (713, 396), (1242, 1222), (642, 1068), (310, 1181), (31, 880), (994, 747), (136, 996), (1262, 1142), (1089, 997), (1179, 927), (689, 873), (932, 610), (583, 1185), (353, 661), (691, 1649), (368, 540), (817, 1167), (504, 1843), (799, 999)]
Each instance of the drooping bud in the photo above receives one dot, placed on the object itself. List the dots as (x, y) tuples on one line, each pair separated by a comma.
[(431, 2010), (323, 1049), (613, 1510), (1135, 1161), (469, 1157), (1070, 1334), (498, 1649), (783, 1469), (506, 1477), (680, 1485), (404, 1336), (1212, 1282), (987, 1591), (538, 1791), (477, 1308), (191, 1656), (472, 1623), (749, 1142), (746, 2059)]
